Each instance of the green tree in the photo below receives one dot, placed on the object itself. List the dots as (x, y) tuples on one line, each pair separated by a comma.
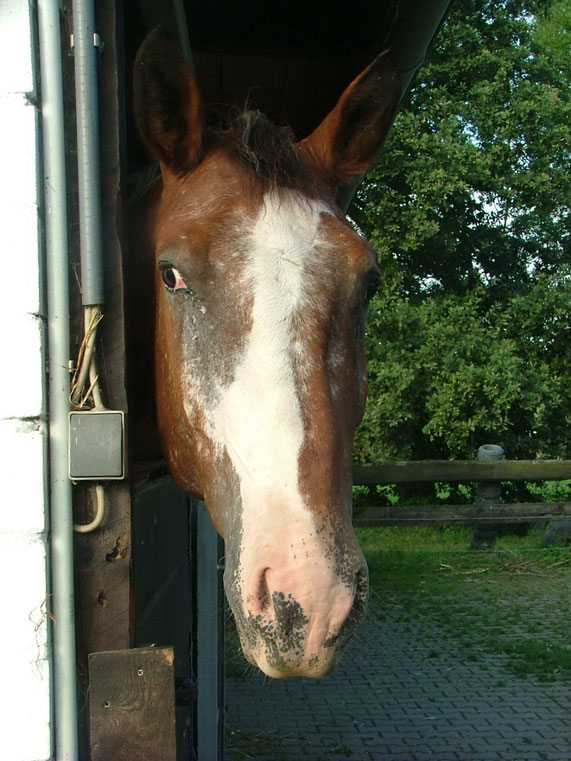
[(553, 27), (468, 208)]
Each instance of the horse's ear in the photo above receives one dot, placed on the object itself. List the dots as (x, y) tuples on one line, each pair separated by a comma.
[(347, 140), (168, 105)]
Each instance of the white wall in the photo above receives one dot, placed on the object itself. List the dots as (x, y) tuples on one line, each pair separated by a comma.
[(25, 712)]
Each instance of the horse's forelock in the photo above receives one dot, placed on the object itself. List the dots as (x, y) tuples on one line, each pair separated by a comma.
[(269, 151)]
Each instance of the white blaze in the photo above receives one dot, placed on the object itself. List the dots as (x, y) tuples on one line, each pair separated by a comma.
[(258, 419)]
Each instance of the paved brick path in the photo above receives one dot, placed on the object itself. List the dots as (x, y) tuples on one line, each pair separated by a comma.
[(400, 694)]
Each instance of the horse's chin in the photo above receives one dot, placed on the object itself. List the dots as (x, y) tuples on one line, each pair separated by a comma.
[(314, 666)]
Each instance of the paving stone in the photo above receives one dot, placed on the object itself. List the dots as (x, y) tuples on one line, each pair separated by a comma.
[(400, 706)]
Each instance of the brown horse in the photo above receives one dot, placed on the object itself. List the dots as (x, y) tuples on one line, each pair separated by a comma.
[(261, 294)]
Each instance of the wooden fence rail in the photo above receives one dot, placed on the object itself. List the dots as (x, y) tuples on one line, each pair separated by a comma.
[(461, 470), (439, 515), (393, 472)]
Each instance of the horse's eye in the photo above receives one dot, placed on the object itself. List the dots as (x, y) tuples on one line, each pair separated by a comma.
[(173, 279)]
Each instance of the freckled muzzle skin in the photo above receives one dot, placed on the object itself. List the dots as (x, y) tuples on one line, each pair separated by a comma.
[(300, 622), (297, 588)]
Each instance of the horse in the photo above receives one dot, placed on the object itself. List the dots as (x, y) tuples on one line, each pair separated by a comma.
[(256, 287)]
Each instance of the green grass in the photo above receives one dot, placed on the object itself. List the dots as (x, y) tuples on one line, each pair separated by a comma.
[(543, 658), (513, 599), (252, 745)]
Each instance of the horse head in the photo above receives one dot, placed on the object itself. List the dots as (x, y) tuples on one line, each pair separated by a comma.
[(262, 289)]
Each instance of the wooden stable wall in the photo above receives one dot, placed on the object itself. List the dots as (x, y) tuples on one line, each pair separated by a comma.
[(123, 721), (103, 557), (133, 594)]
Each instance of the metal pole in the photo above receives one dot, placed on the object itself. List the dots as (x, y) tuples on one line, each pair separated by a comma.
[(63, 607), (487, 492), (209, 644), (87, 115)]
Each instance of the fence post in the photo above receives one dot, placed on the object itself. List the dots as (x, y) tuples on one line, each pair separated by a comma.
[(487, 492)]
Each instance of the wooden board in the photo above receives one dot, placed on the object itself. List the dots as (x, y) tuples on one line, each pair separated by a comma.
[(444, 514), (460, 470), (131, 705)]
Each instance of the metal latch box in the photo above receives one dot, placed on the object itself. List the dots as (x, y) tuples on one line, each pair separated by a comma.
[(96, 445)]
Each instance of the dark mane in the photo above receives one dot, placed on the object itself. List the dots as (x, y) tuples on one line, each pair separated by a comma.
[(269, 151)]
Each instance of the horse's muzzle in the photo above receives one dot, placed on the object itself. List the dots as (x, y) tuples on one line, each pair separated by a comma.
[(299, 627)]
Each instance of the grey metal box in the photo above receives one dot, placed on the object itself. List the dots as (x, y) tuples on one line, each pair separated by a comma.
[(96, 445)]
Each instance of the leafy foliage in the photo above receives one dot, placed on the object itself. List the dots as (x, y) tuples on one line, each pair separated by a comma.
[(468, 208)]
